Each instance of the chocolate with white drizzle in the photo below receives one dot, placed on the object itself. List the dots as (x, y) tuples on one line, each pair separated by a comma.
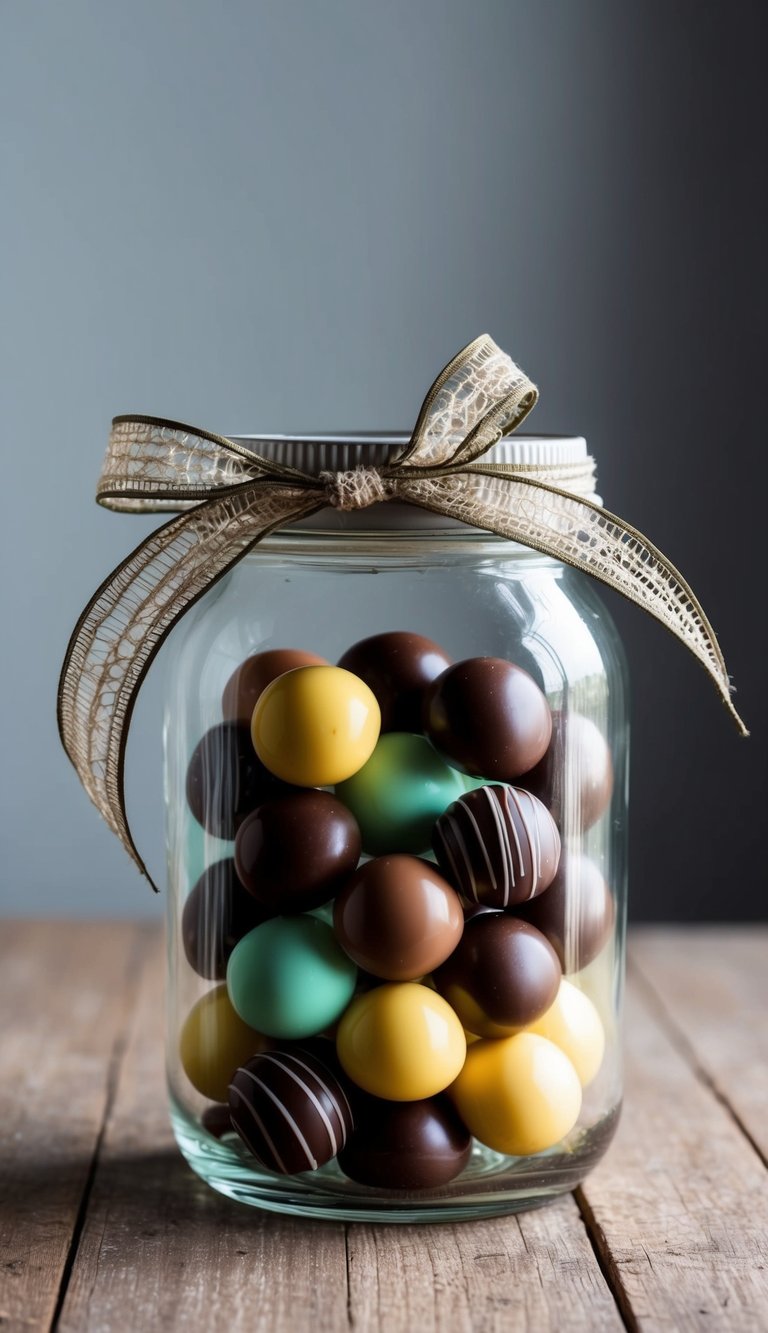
[(290, 1110), (497, 845)]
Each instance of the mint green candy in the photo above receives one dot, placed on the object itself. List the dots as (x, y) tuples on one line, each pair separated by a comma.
[(399, 793), (289, 977)]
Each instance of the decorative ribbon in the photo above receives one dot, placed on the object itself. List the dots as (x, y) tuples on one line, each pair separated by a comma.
[(231, 498)]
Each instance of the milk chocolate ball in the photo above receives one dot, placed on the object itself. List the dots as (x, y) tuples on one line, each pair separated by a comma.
[(497, 845), (575, 777), (226, 779), (503, 975), (576, 913), (293, 853), (254, 675), (405, 1145), (398, 667), (398, 918), (217, 913), (488, 717)]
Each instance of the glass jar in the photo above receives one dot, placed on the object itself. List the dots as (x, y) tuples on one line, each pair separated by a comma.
[(444, 1103)]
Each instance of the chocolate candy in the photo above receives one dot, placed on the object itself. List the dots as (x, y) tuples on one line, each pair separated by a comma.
[(252, 677), (405, 1145), (225, 779), (215, 1120), (575, 777), (488, 717), (398, 667), (497, 845), (520, 1095), (398, 918), (401, 1042), (503, 975), (399, 793), (573, 1024), (293, 853), (217, 913), (214, 1041), (315, 726), (290, 1110), (290, 978), (576, 913)]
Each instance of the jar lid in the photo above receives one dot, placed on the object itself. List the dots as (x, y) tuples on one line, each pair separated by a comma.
[(342, 452)]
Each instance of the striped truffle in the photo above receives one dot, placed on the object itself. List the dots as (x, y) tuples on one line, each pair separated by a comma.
[(497, 845), (290, 1110)]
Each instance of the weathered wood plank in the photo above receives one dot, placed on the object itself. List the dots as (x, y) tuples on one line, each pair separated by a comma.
[(65, 991), (680, 1204), (160, 1250), (712, 985), (534, 1271)]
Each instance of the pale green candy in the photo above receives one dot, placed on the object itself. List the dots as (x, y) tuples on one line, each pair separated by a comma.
[(399, 794), (201, 849), (289, 977)]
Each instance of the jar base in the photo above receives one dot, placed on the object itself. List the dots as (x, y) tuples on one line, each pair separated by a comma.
[(491, 1185)]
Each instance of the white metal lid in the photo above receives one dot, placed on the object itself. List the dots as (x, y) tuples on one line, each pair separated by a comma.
[(342, 452)]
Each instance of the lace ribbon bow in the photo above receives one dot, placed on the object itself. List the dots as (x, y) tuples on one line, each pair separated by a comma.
[(230, 498)]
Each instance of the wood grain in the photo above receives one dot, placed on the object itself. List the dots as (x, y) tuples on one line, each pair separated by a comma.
[(680, 1204), (65, 992), (711, 984)]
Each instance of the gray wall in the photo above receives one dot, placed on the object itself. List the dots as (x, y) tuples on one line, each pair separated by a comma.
[(289, 215)]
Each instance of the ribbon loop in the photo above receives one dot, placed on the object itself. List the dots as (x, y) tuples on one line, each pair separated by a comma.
[(229, 498)]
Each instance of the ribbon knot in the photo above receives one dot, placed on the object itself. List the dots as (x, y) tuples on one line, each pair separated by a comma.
[(227, 498), (356, 489)]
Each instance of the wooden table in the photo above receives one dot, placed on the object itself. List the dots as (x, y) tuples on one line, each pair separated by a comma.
[(103, 1226)]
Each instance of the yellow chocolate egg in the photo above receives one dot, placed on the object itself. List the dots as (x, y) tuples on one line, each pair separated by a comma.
[(518, 1095), (573, 1024), (401, 1042), (316, 726), (214, 1042)]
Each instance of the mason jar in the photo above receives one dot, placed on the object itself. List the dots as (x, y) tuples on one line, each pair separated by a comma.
[(396, 787)]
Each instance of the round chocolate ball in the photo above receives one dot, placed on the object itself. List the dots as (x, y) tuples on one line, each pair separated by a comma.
[(576, 913), (503, 975), (290, 1110), (294, 852), (488, 717), (216, 1121), (398, 918), (398, 667), (217, 913), (575, 777), (497, 845), (405, 1145), (399, 793), (226, 779), (253, 676)]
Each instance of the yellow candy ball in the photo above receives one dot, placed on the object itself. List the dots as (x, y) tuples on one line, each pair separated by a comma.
[(401, 1042), (573, 1024), (519, 1095), (316, 725), (214, 1042)]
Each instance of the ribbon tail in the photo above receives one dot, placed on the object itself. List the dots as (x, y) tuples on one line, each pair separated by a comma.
[(129, 617), (583, 535)]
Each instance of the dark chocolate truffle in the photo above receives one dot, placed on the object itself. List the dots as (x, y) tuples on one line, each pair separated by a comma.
[(217, 913), (226, 779), (293, 853), (488, 717), (503, 975), (576, 913), (398, 918), (290, 1110), (497, 845), (575, 777), (216, 1120), (255, 674), (405, 1145), (398, 667)]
